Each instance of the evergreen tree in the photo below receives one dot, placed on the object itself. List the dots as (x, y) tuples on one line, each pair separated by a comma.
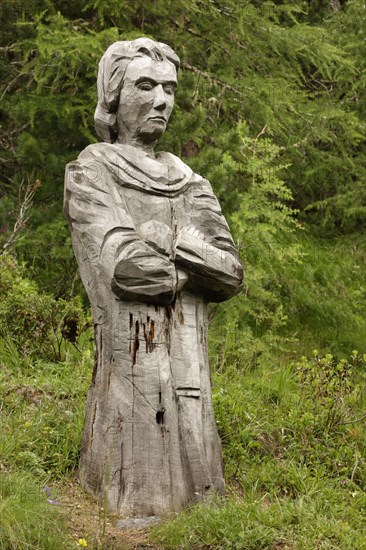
[(292, 70)]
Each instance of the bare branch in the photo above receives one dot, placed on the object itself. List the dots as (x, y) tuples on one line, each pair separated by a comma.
[(26, 194)]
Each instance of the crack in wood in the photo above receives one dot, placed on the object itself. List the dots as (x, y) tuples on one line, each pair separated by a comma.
[(139, 391), (121, 479), (180, 310), (111, 361), (97, 353), (92, 425)]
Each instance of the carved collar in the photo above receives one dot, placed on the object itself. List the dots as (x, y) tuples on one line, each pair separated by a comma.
[(130, 167)]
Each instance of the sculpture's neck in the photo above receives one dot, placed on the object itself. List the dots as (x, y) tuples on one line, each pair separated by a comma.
[(137, 142)]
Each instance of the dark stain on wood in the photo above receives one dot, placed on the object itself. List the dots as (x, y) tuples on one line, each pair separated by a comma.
[(181, 317), (130, 341), (135, 343), (167, 336), (168, 312), (149, 334)]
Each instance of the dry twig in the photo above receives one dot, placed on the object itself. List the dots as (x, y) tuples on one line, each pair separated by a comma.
[(26, 194)]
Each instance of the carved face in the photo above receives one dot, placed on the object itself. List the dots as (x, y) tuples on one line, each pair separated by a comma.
[(146, 99)]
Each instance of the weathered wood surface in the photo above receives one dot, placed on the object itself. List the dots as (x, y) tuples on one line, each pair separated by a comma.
[(153, 248)]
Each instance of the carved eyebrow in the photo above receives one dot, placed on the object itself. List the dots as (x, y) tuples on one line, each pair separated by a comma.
[(155, 82)]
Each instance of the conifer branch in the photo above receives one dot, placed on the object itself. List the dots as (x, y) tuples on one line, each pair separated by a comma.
[(211, 77)]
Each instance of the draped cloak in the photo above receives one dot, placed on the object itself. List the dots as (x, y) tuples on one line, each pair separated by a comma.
[(153, 248)]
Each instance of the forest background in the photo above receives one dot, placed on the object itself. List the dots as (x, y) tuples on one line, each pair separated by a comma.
[(271, 109)]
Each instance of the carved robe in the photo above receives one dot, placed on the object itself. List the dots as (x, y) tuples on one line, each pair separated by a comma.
[(153, 248)]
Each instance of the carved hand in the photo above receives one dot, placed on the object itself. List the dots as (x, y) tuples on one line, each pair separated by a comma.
[(191, 230)]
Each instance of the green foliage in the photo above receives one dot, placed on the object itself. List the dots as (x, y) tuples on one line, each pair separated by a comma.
[(264, 224), (299, 291), (48, 252), (67, 76), (39, 324), (325, 418), (310, 416), (41, 403), (326, 295), (306, 294), (44, 344), (275, 69), (44, 405)]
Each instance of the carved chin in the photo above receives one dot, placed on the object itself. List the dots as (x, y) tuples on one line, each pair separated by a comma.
[(151, 134)]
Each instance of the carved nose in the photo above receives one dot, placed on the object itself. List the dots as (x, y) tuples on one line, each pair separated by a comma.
[(160, 100)]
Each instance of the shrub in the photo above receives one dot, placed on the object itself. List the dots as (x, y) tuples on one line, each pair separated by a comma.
[(37, 323)]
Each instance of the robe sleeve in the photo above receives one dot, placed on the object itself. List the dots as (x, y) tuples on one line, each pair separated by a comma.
[(105, 241), (206, 251)]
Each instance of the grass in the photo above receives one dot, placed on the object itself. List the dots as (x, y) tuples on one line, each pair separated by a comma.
[(43, 403), (294, 452), (27, 520), (252, 523), (42, 411)]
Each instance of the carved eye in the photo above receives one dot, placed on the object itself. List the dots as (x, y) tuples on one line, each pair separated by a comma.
[(169, 90), (145, 86)]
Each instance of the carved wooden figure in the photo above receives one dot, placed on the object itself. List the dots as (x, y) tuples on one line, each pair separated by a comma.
[(153, 248)]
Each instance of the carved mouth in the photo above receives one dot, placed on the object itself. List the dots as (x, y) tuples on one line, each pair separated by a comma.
[(159, 118)]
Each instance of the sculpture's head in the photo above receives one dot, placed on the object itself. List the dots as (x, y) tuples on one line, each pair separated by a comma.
[(136, 85)]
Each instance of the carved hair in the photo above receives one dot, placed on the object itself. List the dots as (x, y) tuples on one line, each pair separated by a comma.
[(112, 68)]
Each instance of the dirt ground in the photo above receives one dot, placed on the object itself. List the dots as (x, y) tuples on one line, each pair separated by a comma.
[(87, 520)]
